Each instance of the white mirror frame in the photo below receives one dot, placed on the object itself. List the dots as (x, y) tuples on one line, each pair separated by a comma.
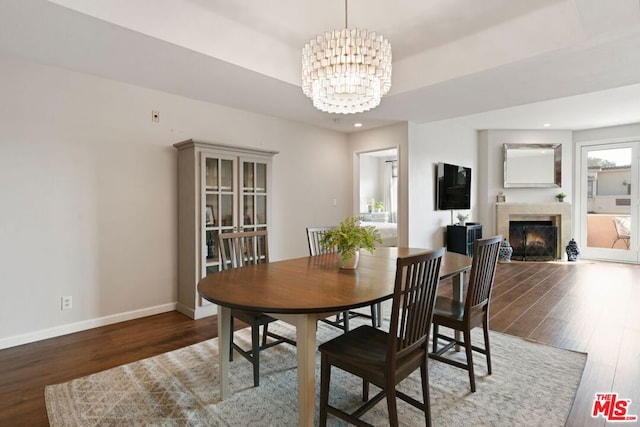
[(520, 170)]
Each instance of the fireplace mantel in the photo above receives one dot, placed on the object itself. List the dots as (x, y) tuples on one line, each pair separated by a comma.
[(558, 213)]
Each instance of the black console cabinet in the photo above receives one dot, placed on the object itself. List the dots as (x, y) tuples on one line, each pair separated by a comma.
[(460, 238)]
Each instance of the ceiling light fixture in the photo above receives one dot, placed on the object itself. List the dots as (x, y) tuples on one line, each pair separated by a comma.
[(346, 71), (357, 125)]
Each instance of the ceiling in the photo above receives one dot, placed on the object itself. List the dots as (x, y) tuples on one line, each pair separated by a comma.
[(499, 64)]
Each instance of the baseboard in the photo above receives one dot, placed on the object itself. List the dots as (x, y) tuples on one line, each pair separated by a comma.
[(199, 312), (84, 325)]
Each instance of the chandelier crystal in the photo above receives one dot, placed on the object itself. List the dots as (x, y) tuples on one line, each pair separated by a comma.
[(346, 71)]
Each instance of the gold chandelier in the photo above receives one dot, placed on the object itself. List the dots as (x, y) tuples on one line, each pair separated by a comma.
[(346, 71)]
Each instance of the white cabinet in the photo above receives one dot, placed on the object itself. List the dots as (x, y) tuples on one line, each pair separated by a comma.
[(221, 188)]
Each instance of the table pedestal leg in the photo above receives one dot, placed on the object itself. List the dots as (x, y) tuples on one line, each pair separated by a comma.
[(306, 352), (224, 342)]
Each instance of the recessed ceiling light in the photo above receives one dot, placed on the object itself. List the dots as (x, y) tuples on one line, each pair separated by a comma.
[(357, 125), (546, 125)]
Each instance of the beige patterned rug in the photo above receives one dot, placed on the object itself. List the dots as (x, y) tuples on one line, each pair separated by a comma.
[(531, 384)]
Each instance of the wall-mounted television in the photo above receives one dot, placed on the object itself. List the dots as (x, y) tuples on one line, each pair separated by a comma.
[(454, 187)]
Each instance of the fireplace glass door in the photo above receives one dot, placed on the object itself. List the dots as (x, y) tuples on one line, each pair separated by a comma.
[(533, 240)]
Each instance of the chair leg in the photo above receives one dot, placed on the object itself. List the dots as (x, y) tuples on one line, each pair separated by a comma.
[(365, 390), (374, 316), (485, 327), (265, 330), (469, 351), (391, 402), (255, 353), (424, 374), (325, 378), (345, 317), (435, 337)]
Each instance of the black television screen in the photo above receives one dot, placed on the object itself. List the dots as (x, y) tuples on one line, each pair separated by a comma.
[(454, 187)]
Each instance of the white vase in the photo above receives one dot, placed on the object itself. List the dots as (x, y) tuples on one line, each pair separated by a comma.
[(351, 263)]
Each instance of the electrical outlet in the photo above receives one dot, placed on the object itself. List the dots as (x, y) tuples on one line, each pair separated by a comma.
[(66, 303), (155, 116)]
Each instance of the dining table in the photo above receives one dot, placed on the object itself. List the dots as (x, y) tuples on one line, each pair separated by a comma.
[(301, 291)]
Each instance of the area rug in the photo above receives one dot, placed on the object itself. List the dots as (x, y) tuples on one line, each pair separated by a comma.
[(531, 385)]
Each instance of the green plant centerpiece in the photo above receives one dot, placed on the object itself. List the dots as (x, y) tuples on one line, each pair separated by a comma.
[(560, 196), (348, 237), (377, 206)]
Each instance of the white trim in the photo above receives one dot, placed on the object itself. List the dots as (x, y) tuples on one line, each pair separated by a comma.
[(70, 328), (199, 312)]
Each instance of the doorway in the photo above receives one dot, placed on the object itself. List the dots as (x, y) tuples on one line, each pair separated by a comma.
[(608, 201), (378, 192)]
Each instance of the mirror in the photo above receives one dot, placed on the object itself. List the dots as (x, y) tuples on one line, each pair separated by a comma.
[(532, 165)]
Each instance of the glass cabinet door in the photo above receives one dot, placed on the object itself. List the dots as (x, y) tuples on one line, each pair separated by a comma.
[(234, 198), (211, 174), (254, 194), (218, 207)]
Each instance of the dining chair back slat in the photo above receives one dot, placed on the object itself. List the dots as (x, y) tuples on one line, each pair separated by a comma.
[(413, 303), (314, 237), (243, 248), (483, 270)]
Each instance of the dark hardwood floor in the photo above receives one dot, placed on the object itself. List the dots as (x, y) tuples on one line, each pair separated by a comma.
[(586, 306)]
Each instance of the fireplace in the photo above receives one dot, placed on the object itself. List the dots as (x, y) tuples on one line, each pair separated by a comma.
[(558, 213), (533, 240)]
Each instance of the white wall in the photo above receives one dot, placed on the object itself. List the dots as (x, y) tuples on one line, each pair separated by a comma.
[(491, 164), (88, 194), (613, 182), (445, 141), (630, 132)]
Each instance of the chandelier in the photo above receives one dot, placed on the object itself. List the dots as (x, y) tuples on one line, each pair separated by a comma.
[(346, 71)]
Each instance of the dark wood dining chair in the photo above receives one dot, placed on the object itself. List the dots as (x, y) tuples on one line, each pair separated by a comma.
[(386, 358), (341, 321), (474, 311), (238, 250)]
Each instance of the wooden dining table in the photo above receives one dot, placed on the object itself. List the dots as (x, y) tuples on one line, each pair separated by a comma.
[(302, 290)]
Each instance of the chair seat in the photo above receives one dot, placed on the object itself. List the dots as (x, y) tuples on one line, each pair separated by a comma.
[(452, 309), (363, 352), (365, 344)]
